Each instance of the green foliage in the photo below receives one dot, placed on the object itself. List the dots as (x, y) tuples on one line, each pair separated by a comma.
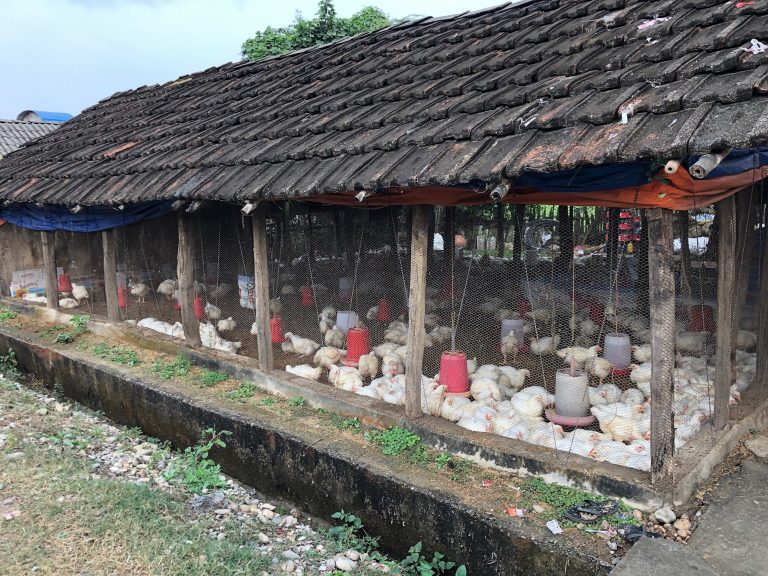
[(246, 390), (323, 28), (64, 338), (211, 378), (461, 469), (393, 441), (116, 354), (194, 469), (351, 533), (6, 315), (180, 367), (9, 366), (416, 564), (342, 423), (80, 323), (419, 456), (297, 402), (268, 401), (442, 460)]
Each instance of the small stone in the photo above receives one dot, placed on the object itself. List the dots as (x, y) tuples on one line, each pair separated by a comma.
[(221, 511), (638, 515), (758, 446), (290, 555), (330, 564), (613, 546), (263, 538), (345, 564), (538, 508), (207, 502), (289, 566), (352, 555), (665, 515), (268, 514), (580, 526), (41, 411), (289, 521)]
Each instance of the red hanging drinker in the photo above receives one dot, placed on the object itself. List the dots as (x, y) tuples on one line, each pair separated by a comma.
[(276, 327), (122, 297), (384, 314), (454, 373), (358, 343), (199, 308), (307, 298), (65, 284)]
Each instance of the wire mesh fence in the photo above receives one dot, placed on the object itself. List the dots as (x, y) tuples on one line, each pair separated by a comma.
[(548, 305)]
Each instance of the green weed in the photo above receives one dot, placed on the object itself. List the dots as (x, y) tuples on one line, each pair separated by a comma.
[(246, 390), (416, 564), (193, 468), (116, 354), (393, 441), (180, 367), (210, 378), (64, 338), (297, 402), (80, 323), (342, 423), (6, 315), (268, 401), (442, 460), (9, 366)]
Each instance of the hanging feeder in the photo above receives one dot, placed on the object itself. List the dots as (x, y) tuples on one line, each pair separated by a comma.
[(513, 325), (618, 351), (453, 373), (346, 320), (122, 297), (358, 344), (64, 283), (307, 298), (197, 303), (384, 314), (524, 307), (596, 312), (345, 288), (276, 328)]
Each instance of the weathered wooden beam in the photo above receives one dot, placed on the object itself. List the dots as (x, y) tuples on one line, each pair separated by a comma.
[(416, 302), (185, 271), (661, 296), (109, 247), (746, 211), (726, 292), (762, 334), (500, 229), (49, 269), (261, 287)]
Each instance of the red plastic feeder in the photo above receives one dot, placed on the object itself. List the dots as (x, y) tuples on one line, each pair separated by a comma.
[(621, 371), (358, 343), (307, 298), (276, 327), (199, 308), (384, 314), (523, 307), (596, 313), (702, 319), (65, 284), (122, 297), (453, 372)]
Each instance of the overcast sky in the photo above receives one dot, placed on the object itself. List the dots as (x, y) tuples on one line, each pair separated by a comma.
[(65, 55)]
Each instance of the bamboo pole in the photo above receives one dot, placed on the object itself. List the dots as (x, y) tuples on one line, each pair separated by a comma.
[(726, 288), (261, 287), (661, 296), (416, 302), (108, 242), (186, 281)]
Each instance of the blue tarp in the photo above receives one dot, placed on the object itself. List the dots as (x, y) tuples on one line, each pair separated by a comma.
[(89, 219), (588, 178)]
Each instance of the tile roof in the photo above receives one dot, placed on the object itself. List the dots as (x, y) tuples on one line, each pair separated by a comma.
[(14, 134), (537, 86)]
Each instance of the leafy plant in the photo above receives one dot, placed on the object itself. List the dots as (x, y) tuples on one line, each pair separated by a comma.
[(351, 533), (9, 366), (194, 469), (393, 441), (211, 378), (80, 322), (246, 390), (342, 423), (416, 564), (268, 401), (6, 315), (442, 460), (64, 338), (116, 354), (297, 402), (180, 367), (419, 456), (461, 468)]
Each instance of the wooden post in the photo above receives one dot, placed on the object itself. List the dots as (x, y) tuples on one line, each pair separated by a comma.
[(49, 269), (185, 268), (430, 232), (746, 211), (416, 300), (726, 291), (261, 287), (110, 274), (500, 235), (761, 378), (661, 297)]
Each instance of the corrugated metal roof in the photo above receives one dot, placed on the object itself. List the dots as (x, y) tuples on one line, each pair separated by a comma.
[(540, 86), (14, 134)]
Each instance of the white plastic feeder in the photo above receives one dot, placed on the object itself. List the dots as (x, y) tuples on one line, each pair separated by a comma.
[(571, 395), (512, 325), (346, 319), (618, 350)]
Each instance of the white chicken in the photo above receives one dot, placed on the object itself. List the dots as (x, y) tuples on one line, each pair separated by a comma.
[(327, 356), (509, 346), (386, 348), (167, 288), (692, 342), (745, 340), (540, 315), (587, 328), (220, 291), (305, 371), (513, 378), (642, 353), (624, 423), (640, 373), (598, 367), (431, 396), (453, 407), (176, 330), (373, 312), (483, 389), (633, 396), (368, 365), (471, 365), (579, 354), (210, 338), (392, 365), (334, 337), (545, 345), (302, 346), (531, 401), (605, 394), (371, 391), (68, 303), (226, 325), (275, 305), (345, 378), (212, 311), (80, 292), (286, 346), (139, 290), (486, 371)]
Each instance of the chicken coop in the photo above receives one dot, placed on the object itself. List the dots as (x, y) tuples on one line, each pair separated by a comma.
[(575, 262)]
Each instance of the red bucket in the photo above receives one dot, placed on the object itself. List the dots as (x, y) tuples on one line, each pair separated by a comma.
[(358, 343), (596, 313), (307, 298), (276, 327), (702, 319), (453, 372), (122, 297), (64, 283), (523, 307), (197, 303), (384, 314)]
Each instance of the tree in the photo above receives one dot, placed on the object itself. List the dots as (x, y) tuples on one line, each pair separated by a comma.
[(323, 28)]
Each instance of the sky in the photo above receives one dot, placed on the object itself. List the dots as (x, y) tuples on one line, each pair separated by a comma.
[(66, 55)]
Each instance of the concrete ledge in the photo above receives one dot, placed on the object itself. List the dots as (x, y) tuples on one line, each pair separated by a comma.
[(657, 557), (320, 475)]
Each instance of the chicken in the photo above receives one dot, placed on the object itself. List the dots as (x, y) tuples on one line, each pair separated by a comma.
[(302, 346), (175, 330), (486, 371), (334, 337), (513, 378), (275, 305), (373, 313), (211, 339), (745, 340), (624, 423), (633, 396), (167, 288), (401, 351), (539, 315), (485, 389), (80, 292), (345, 378), (391, 390), (431, 396), (587, 328), (287, 290), (212, 311), (531, 401), (286, 346), (545, 345), (371, 391), (604, 394), (453, 407), (139, 290), (392, 365), (579, 354), (440, 334), (368, 365), (386, 348), (599, 367), (255, 328), (509, 346), (471, 365), (226, 325), (325, 324), (68, 303), (327, 356), (305, 371), (692, 342), (220, 291), (642, 353), (640, 373), (431, 320)]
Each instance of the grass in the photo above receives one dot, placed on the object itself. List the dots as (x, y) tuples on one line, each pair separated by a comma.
[(116, 354), (268, 401), (6, 315), (297, 402), (393, 441), (246, 390), (179, 367), (210, 378)]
